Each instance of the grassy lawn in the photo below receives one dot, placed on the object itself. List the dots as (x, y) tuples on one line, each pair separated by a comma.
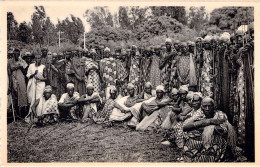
[(76, 142)]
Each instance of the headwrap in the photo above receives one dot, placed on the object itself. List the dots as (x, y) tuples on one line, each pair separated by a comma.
[(92, 51), (44, 48), (183, 89), (198, 94), (148, 85), (85, 50), (168, 40), (207, 38), (90, 86), (49, 53), (107, 49), (54, 54), (208, 99), (160, 88), (190, 95), (176, 41), (113, 89), (130, 86), (27, 53), (184, 44), (133, 46), (199, 39), (70, 85), (47, 88), (174, 91)]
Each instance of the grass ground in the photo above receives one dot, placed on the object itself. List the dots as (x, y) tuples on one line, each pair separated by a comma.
[(77, 142)]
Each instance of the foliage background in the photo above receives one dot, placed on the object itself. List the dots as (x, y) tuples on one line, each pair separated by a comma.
[(147, 26)]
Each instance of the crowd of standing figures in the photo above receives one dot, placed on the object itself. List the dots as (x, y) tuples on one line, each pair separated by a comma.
[(199, 94)]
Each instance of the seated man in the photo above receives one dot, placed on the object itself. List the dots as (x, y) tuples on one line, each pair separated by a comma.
[(104, 114), (45, 109), (68, 102), (151, 111), (175, 133), (147, 94), (174, 109), (89, 102), (127, 107), (208, 134)]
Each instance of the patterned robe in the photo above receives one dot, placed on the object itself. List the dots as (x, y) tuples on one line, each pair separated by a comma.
[(134, 75), (108, 69), (206, 75), (91, 68), (183, 67), (197, 150), (155, 75)]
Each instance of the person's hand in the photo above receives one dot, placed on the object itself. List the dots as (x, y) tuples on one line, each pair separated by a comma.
[(217, 121), (36, 71), (37, 78)]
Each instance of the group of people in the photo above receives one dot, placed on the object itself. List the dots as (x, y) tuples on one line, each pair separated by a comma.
[(178, 88)]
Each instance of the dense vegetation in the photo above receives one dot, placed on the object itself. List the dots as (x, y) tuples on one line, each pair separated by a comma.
[(143, 26)]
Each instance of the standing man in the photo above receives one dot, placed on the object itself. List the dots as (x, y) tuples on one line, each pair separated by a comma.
[(134, 75), (18, 82), (166, 63)]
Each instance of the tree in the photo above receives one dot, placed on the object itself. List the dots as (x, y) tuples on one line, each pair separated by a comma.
[(99, 16), (24, 33), (176, 12), (38, 19), (197, 17), (12, 26), (229, 18), (123, 18), (73, 29), (50, 32)]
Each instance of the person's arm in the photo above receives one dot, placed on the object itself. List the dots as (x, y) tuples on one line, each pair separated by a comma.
[(199, 124), (54, 68), (116, 105), (196, 124)]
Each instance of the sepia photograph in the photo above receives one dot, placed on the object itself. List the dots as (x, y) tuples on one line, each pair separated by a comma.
[(121, 83)]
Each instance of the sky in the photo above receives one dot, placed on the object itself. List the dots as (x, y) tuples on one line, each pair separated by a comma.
[(54, 12)]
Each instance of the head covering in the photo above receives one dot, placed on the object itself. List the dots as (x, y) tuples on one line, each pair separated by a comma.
[(27, 53), (92, 51), (168, 40), (130, 86), (49, 52), (44, 48), (54, 54), (70, 85), (85, 50), (198, 94), (133, 46), (199, 39), (184, 44), (183, 89), (190, 95), (239, 33), (174, 91), (176, 41), (47, 88), (113, 89), (208, 99), (192, 43), (148, 85), (107, 49), (207, 38), (90, 86), (160, 88)]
